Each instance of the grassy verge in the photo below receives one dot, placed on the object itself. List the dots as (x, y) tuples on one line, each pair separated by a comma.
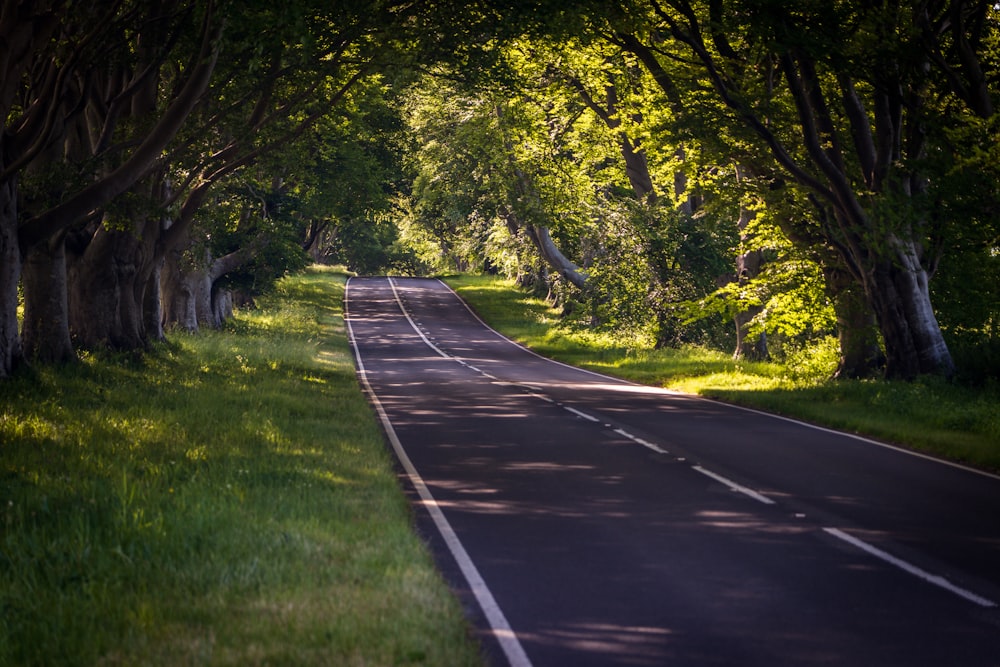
[(930, 415), (225, 500)]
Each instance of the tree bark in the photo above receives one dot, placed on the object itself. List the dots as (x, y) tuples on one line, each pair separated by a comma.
[(45, 331), (152, 304), (189, 285), (747, 268), (179, 279), (900, 295), (861, 355), (104, 308), (749, 347), (11, 352), (554, 257)]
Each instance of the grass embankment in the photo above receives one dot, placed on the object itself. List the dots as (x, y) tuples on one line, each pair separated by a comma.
[(929, 415), (225, 500)]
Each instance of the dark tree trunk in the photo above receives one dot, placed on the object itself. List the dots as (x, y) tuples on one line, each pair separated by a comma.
[(861, 354), (152, 305), (11, 353), (106, 291), (45, 333)]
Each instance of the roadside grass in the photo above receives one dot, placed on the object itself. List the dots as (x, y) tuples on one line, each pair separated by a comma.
[(931, 415), (226, 499)]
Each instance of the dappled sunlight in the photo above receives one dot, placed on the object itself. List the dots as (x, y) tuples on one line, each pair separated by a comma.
[(745, 521), (630, 645), (543, 466), (607, 387)]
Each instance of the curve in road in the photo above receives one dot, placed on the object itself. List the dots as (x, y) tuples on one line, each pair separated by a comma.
[(588, 520)]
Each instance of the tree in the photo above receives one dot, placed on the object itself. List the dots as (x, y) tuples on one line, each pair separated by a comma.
[(841, 101), (68, 151)]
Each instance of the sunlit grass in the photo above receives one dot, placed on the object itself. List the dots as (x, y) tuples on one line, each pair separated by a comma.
[(932, 415), (226, 499)]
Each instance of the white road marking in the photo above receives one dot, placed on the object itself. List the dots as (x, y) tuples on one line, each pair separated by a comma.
[(409, 319), (734, 486), (494, 615), (910, 568), (578, 413), (640, 441)]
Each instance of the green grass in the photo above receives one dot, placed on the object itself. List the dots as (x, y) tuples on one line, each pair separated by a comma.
[(227, 499), (930, 415)]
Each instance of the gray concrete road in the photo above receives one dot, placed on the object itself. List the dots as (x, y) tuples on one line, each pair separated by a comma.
[(588, 521)]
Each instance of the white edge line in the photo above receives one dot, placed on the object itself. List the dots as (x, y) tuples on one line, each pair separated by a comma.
[(498, 622), (910, 568), (734, 486), (674, 392)]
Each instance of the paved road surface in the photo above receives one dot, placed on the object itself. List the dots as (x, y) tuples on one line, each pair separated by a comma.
[(588, 521)]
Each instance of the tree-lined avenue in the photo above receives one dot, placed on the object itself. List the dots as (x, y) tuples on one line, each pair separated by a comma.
[(619, 524)]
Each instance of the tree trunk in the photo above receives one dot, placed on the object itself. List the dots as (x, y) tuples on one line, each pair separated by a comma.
[(178, 289), (106, 292), (152, 304), (747, 268), (857, 331), (898, 291), (45, 333), (191, 297), (222, 307), (554, 257), (751, 348), (11, 353)]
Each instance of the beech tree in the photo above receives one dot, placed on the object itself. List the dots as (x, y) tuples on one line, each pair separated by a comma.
[(47, 90), (97, 98), (845, 102)]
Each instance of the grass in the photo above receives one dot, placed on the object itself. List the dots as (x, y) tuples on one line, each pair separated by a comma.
[(226, 499), (931, 415)]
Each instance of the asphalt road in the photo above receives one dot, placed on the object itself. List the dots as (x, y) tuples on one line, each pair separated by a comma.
[(589, 521)]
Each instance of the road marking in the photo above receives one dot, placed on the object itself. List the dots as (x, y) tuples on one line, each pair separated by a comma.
[(640, 441), (581, 414), (409, 319), (494, 615), (734, 486), (910, 568)]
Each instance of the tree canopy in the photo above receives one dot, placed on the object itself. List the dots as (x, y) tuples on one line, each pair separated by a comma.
[(758, 174)]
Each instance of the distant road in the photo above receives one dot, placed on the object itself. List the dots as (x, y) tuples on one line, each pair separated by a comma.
[(589, 521)]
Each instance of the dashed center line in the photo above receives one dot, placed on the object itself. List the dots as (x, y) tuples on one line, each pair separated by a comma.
[(910, 568), (640, 441), (580, 413), (734, 486)]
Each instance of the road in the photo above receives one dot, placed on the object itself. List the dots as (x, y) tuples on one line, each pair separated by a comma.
[(585, 520)]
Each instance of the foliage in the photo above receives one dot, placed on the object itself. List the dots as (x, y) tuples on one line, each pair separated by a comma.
[(656, 142)]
